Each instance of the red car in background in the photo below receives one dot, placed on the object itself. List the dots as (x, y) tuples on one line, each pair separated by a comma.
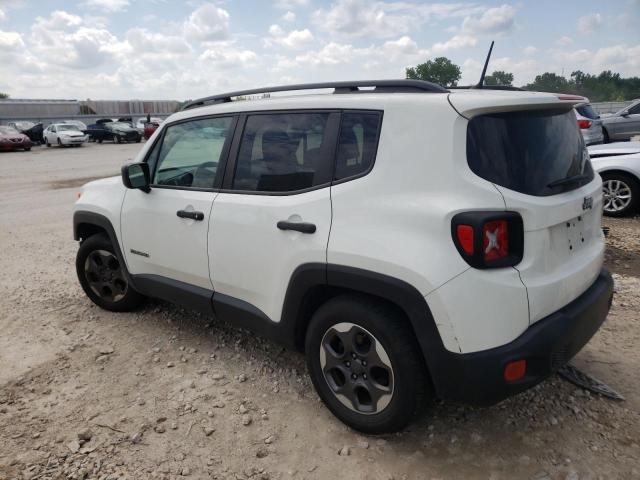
[(11, 139), (149, 128)]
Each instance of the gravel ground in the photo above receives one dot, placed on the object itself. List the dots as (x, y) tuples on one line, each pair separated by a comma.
[(166, 393)]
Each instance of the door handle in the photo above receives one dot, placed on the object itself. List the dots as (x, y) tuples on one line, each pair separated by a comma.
[(301, 227), (198, 216)]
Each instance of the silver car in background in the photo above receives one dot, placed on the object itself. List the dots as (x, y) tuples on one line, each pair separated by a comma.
[(589, 123), (619, 166), (623, 124)]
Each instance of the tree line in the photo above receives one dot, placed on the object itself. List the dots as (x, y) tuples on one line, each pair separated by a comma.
[(606, 86)]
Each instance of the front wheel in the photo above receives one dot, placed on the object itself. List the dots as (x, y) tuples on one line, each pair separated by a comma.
[(59, 142), (104, 277), (621, 194), (365, 363)]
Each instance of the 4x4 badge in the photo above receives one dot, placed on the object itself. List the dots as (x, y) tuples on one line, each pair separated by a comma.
[(587, 203)]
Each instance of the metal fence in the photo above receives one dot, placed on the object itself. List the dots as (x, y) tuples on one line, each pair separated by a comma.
[(609, 107)]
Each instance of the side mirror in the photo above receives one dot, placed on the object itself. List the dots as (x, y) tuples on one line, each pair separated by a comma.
[(625, 113), (136, 175)]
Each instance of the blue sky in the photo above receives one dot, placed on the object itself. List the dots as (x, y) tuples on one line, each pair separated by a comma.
[(153, 49)]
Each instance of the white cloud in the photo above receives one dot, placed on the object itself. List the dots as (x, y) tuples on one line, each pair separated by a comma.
[(530, 50), (589, 23), (289, 17), (384, 19), (207, 23), (107, 5), (3, 16), (564, 41), (225, 55), (454, 43), (290, 4), (144, 42), (10, 40), (293, 39), (493, 21)]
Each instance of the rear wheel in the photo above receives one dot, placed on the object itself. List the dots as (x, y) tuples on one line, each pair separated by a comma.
[(365, 363), (46, 141), (605, 136), (621, 194), (59, 142), (104, 277), (27, 149)]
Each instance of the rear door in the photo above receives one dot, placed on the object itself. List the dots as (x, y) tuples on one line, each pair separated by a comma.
[(274, 213), (538, 162)]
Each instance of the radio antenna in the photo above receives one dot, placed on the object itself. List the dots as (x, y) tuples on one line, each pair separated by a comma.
[(484, 70)]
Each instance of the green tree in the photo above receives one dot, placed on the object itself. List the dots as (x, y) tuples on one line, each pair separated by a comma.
[(439, 70), (3, 95), (499, 77), (549, 82)]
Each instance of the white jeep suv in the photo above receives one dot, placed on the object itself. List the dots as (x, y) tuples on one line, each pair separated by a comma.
[(412, 241)]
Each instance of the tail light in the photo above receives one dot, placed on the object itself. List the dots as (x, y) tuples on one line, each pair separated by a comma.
[(584, 123), (488, 239)]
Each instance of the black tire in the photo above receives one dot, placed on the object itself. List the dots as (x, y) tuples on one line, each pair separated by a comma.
[(46, 141), (625, 183), (139, 140), (118, 139), (605, 136), (407, 379), (108, 288), (27, 149), (59, 143), (100, 141)]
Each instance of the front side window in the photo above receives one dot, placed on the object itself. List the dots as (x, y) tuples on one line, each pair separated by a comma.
[(357, 144), (189, 153), (284, 152)]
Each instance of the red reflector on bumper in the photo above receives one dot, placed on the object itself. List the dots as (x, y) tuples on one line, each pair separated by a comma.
[(515, 370)]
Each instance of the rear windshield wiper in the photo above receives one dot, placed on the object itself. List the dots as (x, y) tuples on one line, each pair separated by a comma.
[(568, 180)]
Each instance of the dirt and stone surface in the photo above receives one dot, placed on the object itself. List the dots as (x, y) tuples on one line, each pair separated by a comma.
[(166, 393)]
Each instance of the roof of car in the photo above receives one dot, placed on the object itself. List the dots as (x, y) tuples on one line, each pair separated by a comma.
[(618, 148)]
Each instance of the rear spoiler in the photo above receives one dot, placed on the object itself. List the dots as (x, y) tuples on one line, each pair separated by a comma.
[(470, 103)]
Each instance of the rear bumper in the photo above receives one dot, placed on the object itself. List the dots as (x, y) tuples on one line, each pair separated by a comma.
[(478, 378)]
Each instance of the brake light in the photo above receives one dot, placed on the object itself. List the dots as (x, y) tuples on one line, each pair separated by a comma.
[(465, 238), (488, 239), (584, 123), (495, 240)]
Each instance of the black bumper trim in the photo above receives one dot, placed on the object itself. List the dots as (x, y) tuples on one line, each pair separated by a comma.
[(478, 378)]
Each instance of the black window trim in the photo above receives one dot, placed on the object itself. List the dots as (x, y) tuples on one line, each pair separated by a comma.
[(231, 149), (217, 182)]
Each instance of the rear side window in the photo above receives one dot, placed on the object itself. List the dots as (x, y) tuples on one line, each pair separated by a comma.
[(189, 153), (357, 144), (588, 111), (284, 152), (536, 152)]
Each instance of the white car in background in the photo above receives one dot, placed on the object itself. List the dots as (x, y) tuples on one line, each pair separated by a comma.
[(64, 134), (619, 166)]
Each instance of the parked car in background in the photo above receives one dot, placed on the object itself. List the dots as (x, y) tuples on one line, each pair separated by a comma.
[(619, 166), (117, 131), (589, 123), (623, 124), (149, 128), (64, 134), (143, 120), (12, 139), (30, 129)]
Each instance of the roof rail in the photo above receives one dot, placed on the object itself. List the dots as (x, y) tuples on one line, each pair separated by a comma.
[(489, 87), (388, 86)]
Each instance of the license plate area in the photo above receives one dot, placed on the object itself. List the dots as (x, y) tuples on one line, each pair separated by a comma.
[(575, 234)]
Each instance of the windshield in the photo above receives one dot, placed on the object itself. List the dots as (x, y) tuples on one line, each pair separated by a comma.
[(4, 130), (531, 152), (65, 127)]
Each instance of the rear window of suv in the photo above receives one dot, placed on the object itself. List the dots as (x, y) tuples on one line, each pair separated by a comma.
[(535, 152)]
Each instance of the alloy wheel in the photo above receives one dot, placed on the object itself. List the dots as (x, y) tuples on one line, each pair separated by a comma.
[(105, 275), (617, 195), (357, 368)]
